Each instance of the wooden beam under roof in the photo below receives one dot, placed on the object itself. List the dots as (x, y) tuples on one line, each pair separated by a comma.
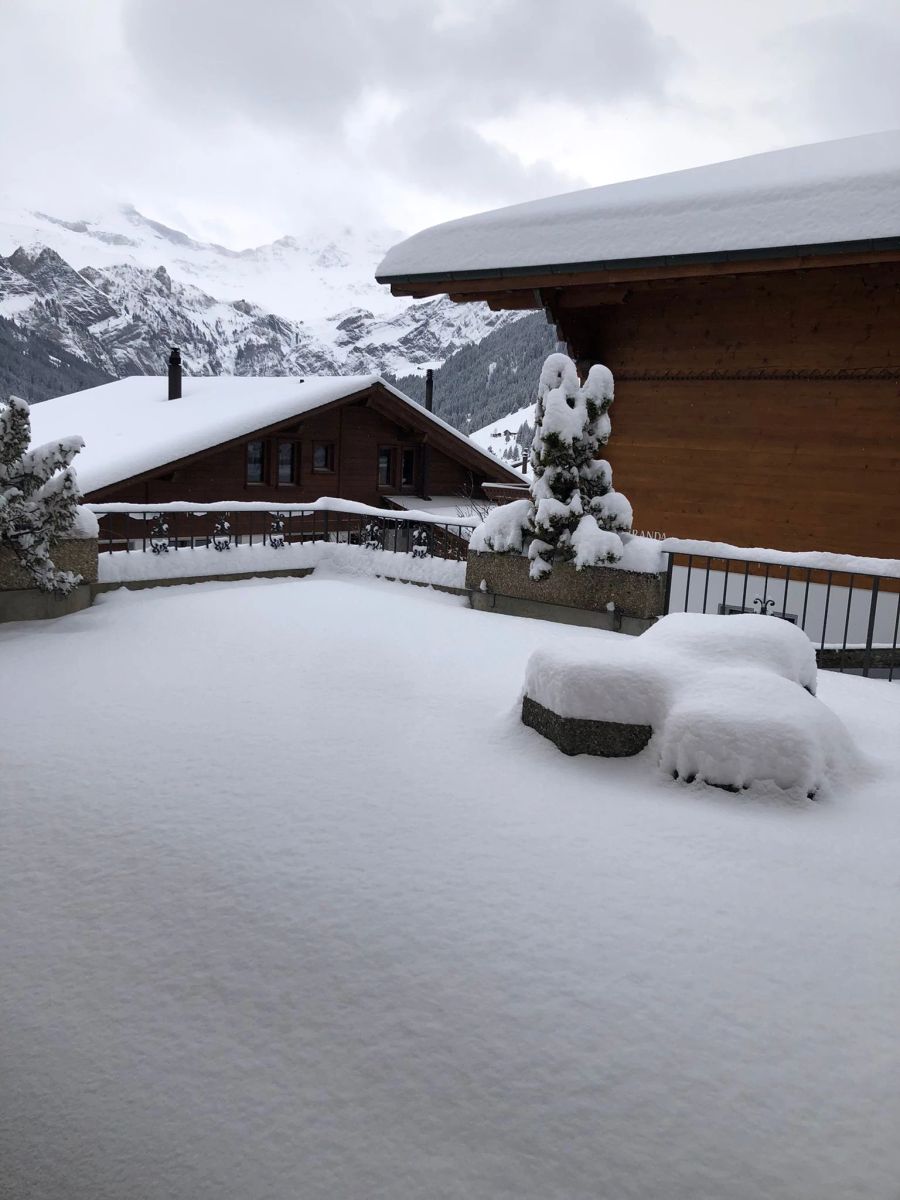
[(516, 281), (497, 300)]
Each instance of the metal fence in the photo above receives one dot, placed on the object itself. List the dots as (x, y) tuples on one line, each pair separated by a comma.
[(168, 529), (852, 618)]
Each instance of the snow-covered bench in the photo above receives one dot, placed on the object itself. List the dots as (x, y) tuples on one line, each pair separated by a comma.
[(730, 700)]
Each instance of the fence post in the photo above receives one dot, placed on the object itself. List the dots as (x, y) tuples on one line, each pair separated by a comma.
[(669, 569), (870, 632)]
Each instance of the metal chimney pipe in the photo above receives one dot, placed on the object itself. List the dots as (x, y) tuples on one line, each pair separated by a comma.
[(175, 374), (429, 390)]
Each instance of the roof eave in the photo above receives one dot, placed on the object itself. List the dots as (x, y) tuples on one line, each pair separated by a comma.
[(674, 261)]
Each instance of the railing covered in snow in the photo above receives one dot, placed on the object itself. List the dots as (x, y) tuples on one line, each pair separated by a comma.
[(849, 607), (183, 526)]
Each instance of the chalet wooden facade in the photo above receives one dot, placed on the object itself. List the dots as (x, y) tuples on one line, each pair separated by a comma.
[(355, 439), (757, 362)]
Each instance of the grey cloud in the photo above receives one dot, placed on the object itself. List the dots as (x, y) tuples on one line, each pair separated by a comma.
[(302, 70), (450, 158), (267, 117), (845, 71), (308, 64)]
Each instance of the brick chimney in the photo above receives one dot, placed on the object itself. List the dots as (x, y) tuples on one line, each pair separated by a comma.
[(175, 374)]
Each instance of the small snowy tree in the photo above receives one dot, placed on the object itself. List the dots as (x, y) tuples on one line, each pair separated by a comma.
[(38, 496), (574, 514)]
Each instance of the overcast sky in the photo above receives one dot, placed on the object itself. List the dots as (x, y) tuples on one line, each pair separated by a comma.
[(243, 121)]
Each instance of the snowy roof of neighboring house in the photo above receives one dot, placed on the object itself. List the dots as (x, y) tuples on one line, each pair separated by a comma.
[(821, 197), (450, 507), (130, 426)]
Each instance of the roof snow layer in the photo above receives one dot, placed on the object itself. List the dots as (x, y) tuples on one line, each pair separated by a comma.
[(823, 195), (130, 426)]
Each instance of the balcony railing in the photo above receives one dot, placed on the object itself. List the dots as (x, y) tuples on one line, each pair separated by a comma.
[(851, 616), (164, 528)]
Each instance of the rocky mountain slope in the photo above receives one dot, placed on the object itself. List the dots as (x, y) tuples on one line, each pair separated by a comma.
[(148, 287)]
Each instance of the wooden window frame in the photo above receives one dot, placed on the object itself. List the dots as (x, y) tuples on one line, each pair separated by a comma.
[(331, 453), (391, 450), (296, 460), (264, 467), (413, 484)]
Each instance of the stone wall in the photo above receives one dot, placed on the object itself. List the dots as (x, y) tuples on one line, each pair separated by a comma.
[(599, 596), (20, 600), (78, 555)]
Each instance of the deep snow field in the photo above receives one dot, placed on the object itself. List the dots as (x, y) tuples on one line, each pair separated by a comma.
[(294, 908)]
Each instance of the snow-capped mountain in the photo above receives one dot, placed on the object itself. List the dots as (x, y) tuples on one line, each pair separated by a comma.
[(297, 278), (117, 290)]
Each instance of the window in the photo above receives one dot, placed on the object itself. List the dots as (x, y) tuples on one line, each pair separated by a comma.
[(256, 462), (323, 456), (287, 462), (408, 468), (385, 467)]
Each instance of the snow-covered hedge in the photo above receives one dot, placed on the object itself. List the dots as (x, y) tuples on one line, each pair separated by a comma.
[(38, 498), (574, 514)]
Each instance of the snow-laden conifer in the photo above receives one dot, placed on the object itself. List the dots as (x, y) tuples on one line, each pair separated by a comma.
[(38, 496), (574, 514)]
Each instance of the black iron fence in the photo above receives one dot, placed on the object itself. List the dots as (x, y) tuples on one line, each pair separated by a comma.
[(165, 529), (852, 617)]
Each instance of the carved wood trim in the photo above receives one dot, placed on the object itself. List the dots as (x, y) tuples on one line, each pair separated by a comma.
[(813, 374)]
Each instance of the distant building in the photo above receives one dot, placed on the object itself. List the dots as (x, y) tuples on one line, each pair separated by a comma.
[(749, 312), (285, 440)]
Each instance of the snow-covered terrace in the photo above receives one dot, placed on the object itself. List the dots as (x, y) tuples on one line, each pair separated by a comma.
[(822, 197), (294, 906)]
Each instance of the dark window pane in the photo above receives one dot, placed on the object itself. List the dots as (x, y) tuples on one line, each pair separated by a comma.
[(385, 468), (285, 462), (408, 470), (255, 462), (323, 456)]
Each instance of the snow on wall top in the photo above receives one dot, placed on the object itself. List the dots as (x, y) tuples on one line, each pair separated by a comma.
[(829, 192), (130, 426)]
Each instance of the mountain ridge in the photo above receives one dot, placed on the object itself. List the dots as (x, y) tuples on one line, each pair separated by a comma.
[(151, 286)]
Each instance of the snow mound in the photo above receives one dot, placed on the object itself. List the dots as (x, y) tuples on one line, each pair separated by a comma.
[(730, 699), (503, 529), (719, 641)]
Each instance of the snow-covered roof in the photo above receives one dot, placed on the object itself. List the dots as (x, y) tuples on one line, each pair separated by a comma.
[(449, 507), (130, 426), (821, 196)]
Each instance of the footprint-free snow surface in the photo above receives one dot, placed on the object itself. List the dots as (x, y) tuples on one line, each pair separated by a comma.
[(295, 908)]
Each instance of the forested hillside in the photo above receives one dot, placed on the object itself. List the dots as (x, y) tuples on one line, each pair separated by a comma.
[(35, 367), (499, 375)]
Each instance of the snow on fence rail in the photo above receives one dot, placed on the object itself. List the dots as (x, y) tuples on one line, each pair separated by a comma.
[(820, 560), (848, 606), (327, 504)]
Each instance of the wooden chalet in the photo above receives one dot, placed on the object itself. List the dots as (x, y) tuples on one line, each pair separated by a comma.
[(749, 312), (285, 440)]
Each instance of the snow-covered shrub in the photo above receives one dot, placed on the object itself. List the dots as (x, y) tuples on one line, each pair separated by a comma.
[(38, 496), (574, 514)]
